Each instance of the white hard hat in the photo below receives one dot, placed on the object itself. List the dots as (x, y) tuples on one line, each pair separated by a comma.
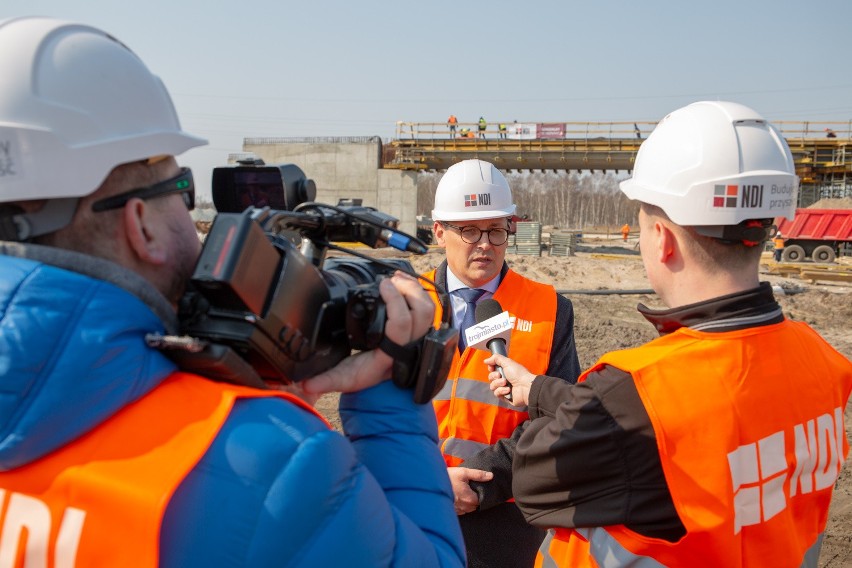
[(715, 163), (74, 104), (472, 190)]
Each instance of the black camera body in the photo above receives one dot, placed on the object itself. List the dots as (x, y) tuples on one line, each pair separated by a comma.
[(258, 309)]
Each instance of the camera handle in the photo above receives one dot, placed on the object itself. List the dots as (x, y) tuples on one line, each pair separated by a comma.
[(423, 364)]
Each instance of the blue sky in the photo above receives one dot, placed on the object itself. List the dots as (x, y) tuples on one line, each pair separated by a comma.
[(344, 68)]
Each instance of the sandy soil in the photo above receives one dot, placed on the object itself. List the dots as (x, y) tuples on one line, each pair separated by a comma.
[(607, 322)]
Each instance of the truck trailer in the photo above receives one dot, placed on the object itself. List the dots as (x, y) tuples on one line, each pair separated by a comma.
[(818, 234)]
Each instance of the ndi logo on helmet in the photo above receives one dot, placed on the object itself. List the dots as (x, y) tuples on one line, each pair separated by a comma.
[(751, 196), (725, 195), (476, 199)]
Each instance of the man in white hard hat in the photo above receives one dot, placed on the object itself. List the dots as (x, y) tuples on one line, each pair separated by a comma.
[(719, 442), (111, 456), (473, 220)]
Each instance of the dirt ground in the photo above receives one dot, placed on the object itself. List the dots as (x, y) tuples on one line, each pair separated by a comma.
[(606, 321)]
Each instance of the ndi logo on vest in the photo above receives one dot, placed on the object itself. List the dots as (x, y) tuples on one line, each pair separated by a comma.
[(519, 324), (759, 470), (31, 516)]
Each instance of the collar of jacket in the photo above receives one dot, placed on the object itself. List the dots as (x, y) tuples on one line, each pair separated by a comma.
[(724, 313), (100, 269), (441, 274)]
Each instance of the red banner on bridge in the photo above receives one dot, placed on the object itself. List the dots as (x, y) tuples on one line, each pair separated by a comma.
[(550, 130)]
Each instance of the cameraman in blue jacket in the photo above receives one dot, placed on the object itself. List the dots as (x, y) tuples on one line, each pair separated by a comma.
[(111, 456)]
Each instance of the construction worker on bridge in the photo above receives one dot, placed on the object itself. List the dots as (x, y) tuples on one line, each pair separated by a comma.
[(482, 126), (473, 207), (702, 446), (502, 129), (452, 122)]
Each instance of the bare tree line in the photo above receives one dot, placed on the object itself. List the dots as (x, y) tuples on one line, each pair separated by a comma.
[(564, 200)]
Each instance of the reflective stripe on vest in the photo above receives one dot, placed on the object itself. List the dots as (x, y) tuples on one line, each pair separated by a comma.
[(609, 553), (477, 391), (544, 558), (461, 449), (100, 500), (446, 391), (751, 439), (564, 547), (469, 415)]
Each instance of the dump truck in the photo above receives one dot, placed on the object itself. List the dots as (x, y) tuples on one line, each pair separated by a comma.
[(819, 234)]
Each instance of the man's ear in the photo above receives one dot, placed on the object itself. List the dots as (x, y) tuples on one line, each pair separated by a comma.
[(666, 241), (438, 229), (140, 230)]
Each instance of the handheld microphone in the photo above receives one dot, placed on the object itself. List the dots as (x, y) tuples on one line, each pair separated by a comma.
[(485, 310)]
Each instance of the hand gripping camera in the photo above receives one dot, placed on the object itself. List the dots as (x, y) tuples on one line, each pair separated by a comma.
[(257, 309)]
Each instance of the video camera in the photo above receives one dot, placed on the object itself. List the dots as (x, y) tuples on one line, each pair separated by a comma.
[(257, 309)]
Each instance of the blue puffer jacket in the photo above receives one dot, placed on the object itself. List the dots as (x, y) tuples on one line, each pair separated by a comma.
[(276, 488)]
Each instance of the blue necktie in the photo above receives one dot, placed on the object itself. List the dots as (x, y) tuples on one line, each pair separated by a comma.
[(470, 296)]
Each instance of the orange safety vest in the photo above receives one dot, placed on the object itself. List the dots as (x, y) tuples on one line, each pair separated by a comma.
[(452, 119), (100, 500), (751, 437), (470, 417)]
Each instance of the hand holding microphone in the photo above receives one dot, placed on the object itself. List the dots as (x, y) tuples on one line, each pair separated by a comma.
[(510, 374)]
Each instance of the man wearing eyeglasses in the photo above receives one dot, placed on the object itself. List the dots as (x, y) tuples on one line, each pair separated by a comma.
[(473, 221), (111, 456)]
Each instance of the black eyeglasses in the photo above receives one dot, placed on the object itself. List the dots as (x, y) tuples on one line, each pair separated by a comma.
[(471, 234), (181, 183)]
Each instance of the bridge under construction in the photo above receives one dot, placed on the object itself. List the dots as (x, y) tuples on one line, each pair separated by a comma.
[(822, 151), (383, 173)]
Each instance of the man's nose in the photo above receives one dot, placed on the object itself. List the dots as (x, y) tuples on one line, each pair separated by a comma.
[(483, 239)]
